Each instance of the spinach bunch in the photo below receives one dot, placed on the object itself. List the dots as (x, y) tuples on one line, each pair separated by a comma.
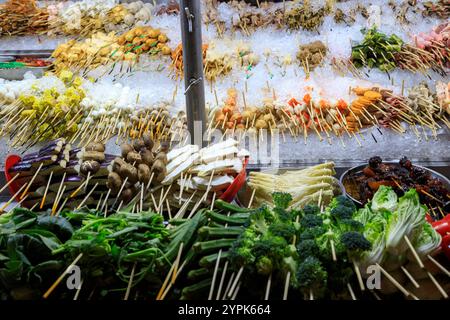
[(27, 240), (112, 246)]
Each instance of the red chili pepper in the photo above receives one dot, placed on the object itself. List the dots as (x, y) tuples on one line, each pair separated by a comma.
[(445, 246), (442, 226), (428, 218)]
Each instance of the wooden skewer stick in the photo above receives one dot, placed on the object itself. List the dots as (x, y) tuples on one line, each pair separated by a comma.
[(438, 286), (440, 266), (351, 291), (120, 190), (31, 181), (61, 277), (177, 263), (213, 281), (154, 202), (170, 284), (358, 275), (251, 198), (2, 209), (87, 196), (230, 281), (416, 256), (269, 282), (168, 209), (77, 293), (161, 202), (130, 282), (77, 190), (286, 286), (333, 250), (410, 277), (141, 200), (394, 282), (9, 182), (106, 200), (236, 291), (46, 190), (62, 207), (20, 202), (222, 279), (58, 196), (166, 281)]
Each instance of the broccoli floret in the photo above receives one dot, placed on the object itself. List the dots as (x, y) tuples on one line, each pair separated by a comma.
[(311, 209), (324, 243), (344, 201), (272, 246), (241, 250), (240, 256), (264, 265), (259, 220), (283, 214), (355, 242), (308, 248), (346, 225), (311, 276), (311, 233), (281, 199), (283, 229), (311, 221), (341, 212)]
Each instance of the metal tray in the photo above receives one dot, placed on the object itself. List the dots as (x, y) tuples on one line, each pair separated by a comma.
[(27, 53), (18, 73), (359, 168)]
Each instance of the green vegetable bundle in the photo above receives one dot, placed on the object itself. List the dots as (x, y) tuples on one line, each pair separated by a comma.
[(115, 245), (388, 222), (27, 265), (329, 243), (377, 50)]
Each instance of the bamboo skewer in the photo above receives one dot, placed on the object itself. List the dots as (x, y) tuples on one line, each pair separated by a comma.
[(416, 256), (61, 277), (440, 266), (438, 286), (177, 262), (350, 289), (9, 182), (130, 282), (394, 282), (32, 180), (269, 282), (87, 196), (2, 209), (410, 277), (358, 275), (286, 286), (230, 281)]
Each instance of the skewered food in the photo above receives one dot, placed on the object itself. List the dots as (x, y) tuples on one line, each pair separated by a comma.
[(20, 17), (306, 186), (311, 55), (376, 50), (305, 17)]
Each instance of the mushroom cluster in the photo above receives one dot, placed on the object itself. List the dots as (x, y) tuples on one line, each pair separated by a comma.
[(90, 159), (138, 164)]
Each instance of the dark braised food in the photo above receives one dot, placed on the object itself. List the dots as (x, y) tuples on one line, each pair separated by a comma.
[(403, 176)]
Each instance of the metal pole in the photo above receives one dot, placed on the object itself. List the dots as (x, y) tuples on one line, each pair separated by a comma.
[(191, 34)]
